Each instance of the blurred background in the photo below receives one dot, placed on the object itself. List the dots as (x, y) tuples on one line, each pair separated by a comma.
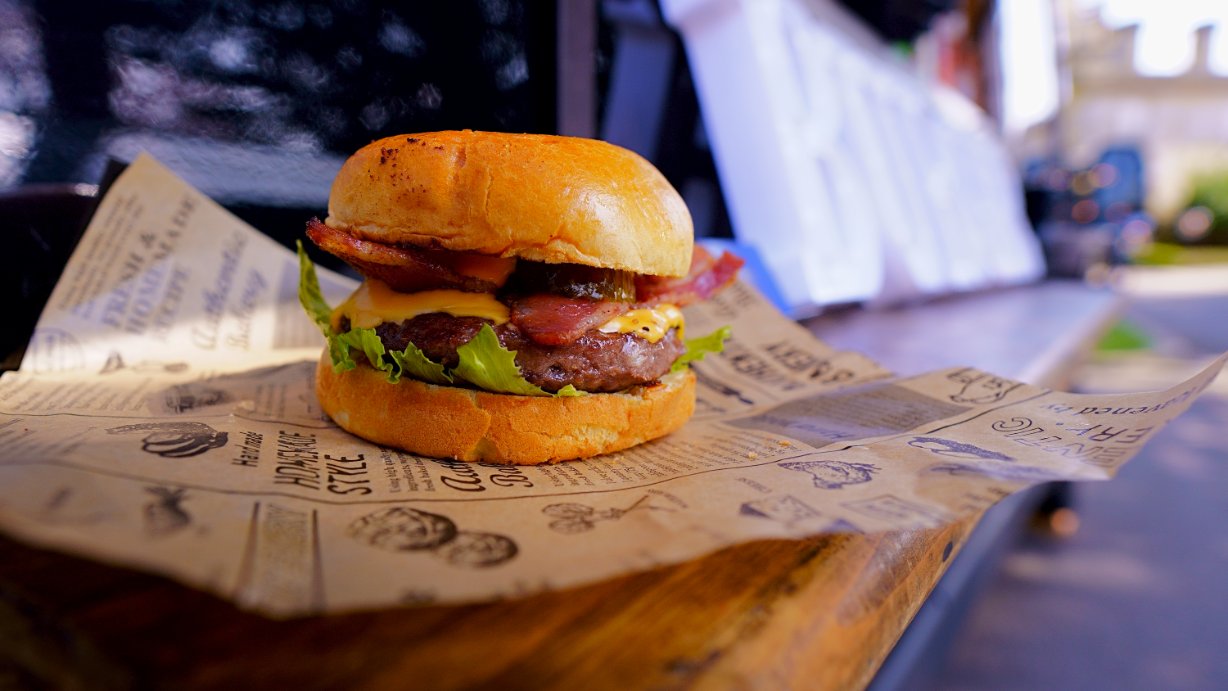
[(859, 153), (1111, 115)]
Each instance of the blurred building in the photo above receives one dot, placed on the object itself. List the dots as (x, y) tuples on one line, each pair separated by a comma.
[(1178, 123)]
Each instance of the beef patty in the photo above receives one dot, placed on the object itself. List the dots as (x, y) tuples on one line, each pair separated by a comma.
[(597, 362)]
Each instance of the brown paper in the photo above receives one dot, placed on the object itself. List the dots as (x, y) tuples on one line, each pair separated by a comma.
[(164, 418)]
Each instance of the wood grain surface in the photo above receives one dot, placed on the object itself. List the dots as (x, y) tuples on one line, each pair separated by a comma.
[(817, 613), (820, 613)]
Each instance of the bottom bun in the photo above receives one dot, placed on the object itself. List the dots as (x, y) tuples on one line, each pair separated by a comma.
[(468, 425)]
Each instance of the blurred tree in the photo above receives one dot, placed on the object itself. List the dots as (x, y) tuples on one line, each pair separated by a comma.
[(1206, 218)]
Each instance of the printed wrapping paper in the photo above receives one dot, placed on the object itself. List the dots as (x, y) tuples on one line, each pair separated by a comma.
[(165, 418)]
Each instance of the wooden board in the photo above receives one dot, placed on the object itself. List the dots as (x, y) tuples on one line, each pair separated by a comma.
[(817, 613)]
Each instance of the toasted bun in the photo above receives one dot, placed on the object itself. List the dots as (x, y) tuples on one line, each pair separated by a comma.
[(561, 200), (451, 422)]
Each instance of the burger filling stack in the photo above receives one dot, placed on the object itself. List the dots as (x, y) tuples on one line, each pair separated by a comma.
[(521, 301)]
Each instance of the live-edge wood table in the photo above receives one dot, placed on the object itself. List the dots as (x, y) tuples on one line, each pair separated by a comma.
[(816, 613)]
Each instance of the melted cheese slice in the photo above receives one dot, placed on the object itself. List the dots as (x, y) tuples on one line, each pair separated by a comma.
[(492, 269), (649, 324), (375, 303)]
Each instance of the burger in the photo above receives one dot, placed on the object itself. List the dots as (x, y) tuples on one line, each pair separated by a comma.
[(521, 301)]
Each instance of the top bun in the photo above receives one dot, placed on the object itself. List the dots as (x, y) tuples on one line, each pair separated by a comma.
[(561, 200)]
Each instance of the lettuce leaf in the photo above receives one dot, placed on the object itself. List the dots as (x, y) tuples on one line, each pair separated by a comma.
[(416, 364), (312, 299), (485, 363), (339, 352), (411, 361), (697, 348), (367, 341), (309, 295)]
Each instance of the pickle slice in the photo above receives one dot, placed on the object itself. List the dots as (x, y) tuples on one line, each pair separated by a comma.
[(576, 281)]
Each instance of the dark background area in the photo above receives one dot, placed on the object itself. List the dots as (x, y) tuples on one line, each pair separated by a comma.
[(80, 81), (257, 104), (322, 77)]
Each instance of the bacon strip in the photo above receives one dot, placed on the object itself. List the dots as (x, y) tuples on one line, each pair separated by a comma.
[(551, 319), (403, 269), (706, 277), (545, 318)]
